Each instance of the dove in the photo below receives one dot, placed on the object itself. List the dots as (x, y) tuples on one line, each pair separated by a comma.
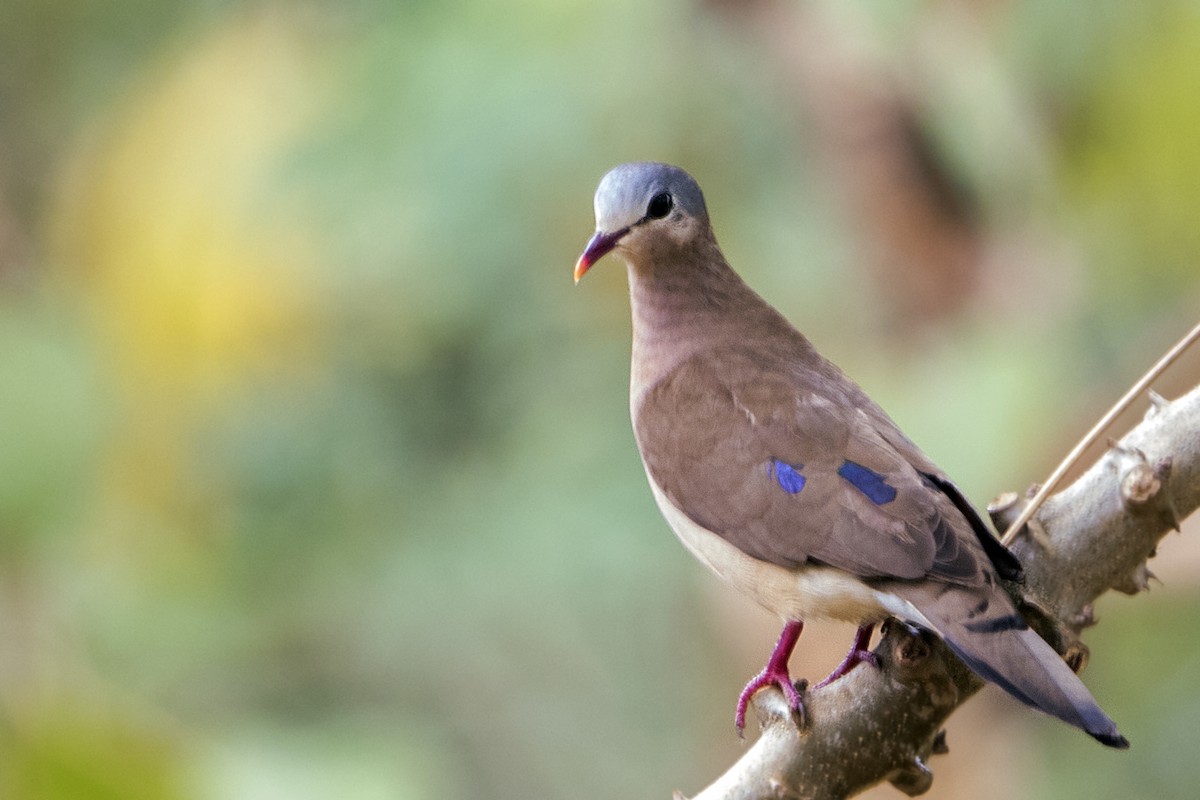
[(785, 479)]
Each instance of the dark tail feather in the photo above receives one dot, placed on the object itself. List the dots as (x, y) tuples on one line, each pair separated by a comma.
[(1000, 648), (1022, 664)]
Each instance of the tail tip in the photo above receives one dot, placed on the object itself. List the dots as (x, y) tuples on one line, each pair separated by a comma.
[(1111, 739)]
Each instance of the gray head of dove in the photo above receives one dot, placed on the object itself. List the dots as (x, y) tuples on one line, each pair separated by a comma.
[(639, 202)]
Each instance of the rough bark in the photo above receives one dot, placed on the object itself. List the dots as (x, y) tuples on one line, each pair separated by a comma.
[(883, 724)]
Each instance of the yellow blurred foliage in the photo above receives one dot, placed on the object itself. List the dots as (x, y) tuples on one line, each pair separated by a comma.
[(198, 271)]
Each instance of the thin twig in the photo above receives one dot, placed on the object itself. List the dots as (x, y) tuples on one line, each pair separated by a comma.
[(1099, 428)]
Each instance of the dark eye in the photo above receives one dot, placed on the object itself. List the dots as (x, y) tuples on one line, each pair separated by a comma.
[(660, 205)]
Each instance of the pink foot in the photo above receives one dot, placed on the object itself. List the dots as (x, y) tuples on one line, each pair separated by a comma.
[(859, 654), (775, 673)]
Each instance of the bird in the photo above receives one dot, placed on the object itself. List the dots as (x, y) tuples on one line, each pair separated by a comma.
[(785, 479)]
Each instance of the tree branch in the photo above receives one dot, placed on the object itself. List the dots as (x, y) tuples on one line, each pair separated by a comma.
[(1095, 535)]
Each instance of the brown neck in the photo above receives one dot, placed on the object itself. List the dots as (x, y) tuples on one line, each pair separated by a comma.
[(684, 308)]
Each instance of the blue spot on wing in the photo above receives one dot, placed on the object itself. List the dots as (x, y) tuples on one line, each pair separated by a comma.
[(867, 481), (788, 475)]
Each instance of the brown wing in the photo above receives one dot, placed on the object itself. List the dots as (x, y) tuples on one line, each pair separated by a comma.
[(729, 438)]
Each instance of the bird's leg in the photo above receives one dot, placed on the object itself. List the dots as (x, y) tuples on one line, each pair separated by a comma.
[(859, 653), (775, 673)]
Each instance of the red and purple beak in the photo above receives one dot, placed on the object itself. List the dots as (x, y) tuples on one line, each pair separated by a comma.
[(599, 246)]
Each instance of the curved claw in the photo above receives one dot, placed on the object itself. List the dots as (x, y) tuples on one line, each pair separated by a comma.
[(762, 680)]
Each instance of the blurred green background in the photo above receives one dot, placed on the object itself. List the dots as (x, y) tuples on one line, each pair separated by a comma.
[(316, 478)]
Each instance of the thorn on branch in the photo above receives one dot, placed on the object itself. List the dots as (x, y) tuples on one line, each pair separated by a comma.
[(1136, 581), (1158, 404)]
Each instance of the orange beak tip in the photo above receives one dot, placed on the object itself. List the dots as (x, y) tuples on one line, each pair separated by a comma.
[(600, 244)]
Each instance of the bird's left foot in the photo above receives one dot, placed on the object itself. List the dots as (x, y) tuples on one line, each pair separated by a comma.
[(859, 654)]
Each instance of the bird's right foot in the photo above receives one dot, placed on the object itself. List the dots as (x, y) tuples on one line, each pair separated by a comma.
[(770, 677), (775, 673)]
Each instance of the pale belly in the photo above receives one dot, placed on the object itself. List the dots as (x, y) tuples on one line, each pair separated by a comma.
[(804, 593)]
